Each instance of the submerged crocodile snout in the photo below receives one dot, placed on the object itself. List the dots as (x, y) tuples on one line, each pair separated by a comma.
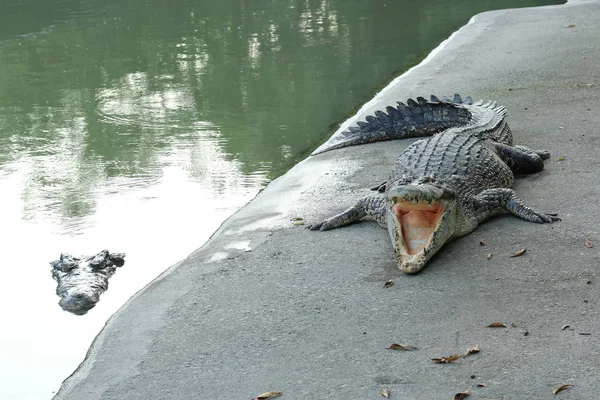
[(78, 303)]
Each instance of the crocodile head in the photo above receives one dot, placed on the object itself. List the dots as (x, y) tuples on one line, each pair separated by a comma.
[(421, 218), (81, 280)]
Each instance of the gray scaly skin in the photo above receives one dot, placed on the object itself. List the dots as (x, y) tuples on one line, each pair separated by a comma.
[(82, 280), (453, 180)]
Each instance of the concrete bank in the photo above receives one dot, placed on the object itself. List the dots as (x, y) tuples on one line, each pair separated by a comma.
[(266, 305)]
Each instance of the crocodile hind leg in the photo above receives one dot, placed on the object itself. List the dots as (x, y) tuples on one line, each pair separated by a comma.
[(493, 201), (371, 206), (521, 159)]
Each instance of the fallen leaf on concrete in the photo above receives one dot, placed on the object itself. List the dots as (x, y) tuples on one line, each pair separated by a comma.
[(588, 244), (385, 392), (268, 395), (472, 350), (519, 253), (570, 26), (565, 327), (481, 243), (298, 223), (561, 158), (396, 346), (489, 256), (297, 219), (482, 385), (445, 360), (462, 395), (496, 325), (562, 387), (388, 284)]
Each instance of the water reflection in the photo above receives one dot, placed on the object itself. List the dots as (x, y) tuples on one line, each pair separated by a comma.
[(140, 126)]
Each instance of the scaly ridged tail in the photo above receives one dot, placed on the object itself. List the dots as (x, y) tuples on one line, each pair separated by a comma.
[(417, 118)]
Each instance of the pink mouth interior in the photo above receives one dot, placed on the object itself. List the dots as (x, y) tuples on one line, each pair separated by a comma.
[(418, 222)]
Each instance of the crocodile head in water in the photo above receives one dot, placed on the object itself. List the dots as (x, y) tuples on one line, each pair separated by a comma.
[(81, 280), (421, 218)]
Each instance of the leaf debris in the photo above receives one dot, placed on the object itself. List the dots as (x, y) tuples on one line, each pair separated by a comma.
[(446, 360), (496, 325), (518, 253), (588, 244), (268, 395), (472, 350), (562, 387), (388, 284), (456, 357), (396, 346), (489, 256), (385, 392), (462, 395)]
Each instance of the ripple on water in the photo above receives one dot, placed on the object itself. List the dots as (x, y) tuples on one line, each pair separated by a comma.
[(136, 102)]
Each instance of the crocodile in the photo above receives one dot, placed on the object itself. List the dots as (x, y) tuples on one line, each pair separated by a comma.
[(81, 280), (441, 187)]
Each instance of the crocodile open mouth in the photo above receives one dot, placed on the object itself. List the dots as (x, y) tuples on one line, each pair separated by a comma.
[(418, 220)]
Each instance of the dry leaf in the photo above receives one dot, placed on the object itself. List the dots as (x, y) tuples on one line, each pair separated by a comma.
[(445, 360), (489, 256), (472, 350), (396, 346), (268, 395), (385, 392), (588, 244), (570, 26), (565, 327), (388, 284), (563, 387), (561, 158), (482, 385), (496, 325), (481, 243), (518, 253), (462, 395), (298, 223), (297, 219)]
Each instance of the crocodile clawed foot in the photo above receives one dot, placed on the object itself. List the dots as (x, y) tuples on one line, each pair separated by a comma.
[(546, 218), (315, 227), (544, 154)]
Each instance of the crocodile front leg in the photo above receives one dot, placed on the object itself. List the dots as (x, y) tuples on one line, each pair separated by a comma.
[(493, 201), (371, 206)]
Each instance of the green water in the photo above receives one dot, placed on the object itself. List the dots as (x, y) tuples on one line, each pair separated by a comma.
[(139, 126)]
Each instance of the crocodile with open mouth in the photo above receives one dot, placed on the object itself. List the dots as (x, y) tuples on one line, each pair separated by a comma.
[(444, 186)]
